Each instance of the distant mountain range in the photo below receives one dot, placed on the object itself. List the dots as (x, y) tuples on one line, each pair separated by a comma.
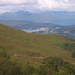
[(43, 17)]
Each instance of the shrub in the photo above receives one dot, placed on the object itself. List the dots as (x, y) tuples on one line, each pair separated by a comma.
[(73, 55)]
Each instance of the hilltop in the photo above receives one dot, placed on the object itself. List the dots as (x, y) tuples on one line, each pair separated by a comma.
[(33, 47)]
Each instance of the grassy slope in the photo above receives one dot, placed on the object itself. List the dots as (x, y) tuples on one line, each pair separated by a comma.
[(22, 45)]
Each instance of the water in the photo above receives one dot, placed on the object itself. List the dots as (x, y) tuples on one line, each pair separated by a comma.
[(66, 23)]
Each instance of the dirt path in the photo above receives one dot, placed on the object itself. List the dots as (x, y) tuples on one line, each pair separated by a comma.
[(26, 56)]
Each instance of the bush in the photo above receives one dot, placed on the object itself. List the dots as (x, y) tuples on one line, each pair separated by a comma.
[(73, 55), (68, 46)]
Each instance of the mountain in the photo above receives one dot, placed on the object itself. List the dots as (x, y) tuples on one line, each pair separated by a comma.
[(32, 47), (43, 17), (24, 13)]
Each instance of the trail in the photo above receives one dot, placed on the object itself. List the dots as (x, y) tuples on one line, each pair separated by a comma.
[(25, 56)]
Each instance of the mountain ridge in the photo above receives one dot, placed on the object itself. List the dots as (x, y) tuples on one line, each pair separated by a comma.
[(43, 17)]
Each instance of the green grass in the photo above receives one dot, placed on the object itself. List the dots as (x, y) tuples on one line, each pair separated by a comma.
[(23, 47)]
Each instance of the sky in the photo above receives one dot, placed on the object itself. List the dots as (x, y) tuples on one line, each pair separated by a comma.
[(36, 5)]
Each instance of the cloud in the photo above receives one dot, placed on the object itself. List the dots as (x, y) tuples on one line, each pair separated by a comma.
[(57, 5), (36, 5), (17, 2)]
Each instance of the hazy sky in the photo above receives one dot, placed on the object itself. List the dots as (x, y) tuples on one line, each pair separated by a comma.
[(36, 5)]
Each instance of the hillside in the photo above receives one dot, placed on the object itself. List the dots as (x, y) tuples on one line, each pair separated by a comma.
[(68, 31), (24, 47)]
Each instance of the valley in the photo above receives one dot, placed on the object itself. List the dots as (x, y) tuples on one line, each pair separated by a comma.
[(42, 28)]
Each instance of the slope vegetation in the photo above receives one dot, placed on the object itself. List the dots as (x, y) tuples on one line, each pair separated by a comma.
[(24, 47)]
